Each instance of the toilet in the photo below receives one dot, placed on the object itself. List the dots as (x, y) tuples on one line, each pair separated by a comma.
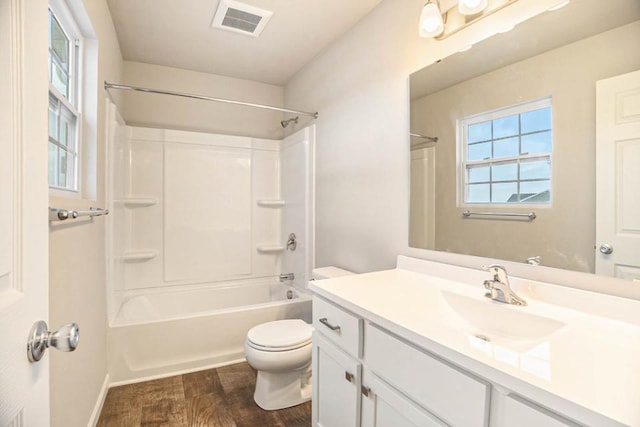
[(281, 353)]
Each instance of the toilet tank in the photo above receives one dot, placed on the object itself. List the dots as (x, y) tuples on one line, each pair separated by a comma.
[(329, 273)]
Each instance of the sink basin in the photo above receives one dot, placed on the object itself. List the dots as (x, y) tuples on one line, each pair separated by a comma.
[(494, 319)]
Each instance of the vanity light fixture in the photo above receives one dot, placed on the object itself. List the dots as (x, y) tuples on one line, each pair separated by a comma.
[(441, 18), (471, 7), (431, 22)]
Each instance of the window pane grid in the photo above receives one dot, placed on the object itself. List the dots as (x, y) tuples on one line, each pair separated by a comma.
[(508, 158), (509, 137), (62, 144)]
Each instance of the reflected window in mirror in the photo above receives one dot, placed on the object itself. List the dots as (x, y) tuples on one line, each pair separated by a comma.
[(505, 155)]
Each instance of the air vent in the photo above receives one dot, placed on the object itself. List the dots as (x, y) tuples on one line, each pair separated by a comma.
[(240, 18)]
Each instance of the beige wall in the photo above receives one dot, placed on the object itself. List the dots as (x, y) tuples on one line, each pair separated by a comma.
[(77, 264), (166, 112), (563, 233), (360, 88)]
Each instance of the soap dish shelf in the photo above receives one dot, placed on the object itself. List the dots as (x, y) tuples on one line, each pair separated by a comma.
[(271, 203), (132, 256), (139, 202), (270, 249)]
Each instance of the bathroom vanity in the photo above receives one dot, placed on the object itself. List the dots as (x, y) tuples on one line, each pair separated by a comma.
[(420, 345)]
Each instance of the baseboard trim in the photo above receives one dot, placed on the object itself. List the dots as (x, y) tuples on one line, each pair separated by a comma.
[(178, 372), (95, 415)]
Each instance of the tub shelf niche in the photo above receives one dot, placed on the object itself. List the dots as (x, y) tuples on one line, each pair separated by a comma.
[(137, 256), (271, 203), (138, 202), (270, 249)]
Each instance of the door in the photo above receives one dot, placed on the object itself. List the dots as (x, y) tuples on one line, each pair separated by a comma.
[(618, 176), (24, 386), (336, 386), (422, 210)]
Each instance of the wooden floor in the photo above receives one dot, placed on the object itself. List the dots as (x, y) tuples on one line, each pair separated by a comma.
[(215, 397)]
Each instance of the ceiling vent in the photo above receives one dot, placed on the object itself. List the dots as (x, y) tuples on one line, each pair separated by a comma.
[(240, 18)]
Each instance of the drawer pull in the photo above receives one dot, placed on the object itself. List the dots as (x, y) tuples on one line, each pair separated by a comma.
[(349, 376), (365, 391), (326, 323)]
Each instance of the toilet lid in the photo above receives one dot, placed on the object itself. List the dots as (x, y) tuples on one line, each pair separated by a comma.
[(281, 334)]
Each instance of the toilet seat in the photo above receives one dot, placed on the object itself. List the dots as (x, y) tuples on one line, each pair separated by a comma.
[(280, 335)]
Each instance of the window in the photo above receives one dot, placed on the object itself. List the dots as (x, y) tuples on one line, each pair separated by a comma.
[(64, 115), (506, 155)]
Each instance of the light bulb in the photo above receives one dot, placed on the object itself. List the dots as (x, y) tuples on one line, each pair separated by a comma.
[(431, 23), (471, 7)]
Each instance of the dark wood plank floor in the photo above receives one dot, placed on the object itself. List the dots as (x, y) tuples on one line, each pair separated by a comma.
[(215, 397)]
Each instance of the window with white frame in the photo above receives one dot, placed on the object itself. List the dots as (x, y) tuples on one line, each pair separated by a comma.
[(506, 155), (64, 114)]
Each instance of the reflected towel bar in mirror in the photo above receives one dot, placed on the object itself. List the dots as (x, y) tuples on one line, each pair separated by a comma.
[(530, 215), (428, 138)]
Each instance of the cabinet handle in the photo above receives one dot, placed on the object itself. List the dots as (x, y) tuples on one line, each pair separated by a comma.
[(366, 391), (326, 323), (349, 376)]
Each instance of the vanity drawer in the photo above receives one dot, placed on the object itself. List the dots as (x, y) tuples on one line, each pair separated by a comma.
[(450, 394), (519, 412), (341, 327)]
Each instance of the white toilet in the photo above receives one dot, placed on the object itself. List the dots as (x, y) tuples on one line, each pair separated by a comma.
[(281, 353)]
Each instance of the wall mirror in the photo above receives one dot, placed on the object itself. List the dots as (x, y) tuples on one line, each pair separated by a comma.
[(515, 122)]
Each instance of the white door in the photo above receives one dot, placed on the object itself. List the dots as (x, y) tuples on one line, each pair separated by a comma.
[(24, 386), (618, 176)]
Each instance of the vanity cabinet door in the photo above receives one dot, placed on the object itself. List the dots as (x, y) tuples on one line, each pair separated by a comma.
[(518, 412), (336, 386), (383, 406)]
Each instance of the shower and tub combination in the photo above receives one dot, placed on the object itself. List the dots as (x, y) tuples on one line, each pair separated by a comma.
[(199, 244)]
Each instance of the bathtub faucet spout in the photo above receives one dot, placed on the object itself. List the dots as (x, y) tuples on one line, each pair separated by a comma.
[(285, 277)]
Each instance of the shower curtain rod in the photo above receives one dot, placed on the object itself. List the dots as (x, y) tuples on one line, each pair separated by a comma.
[(108, 86)]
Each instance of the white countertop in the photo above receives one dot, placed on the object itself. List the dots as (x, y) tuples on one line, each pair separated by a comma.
[(588, 368)]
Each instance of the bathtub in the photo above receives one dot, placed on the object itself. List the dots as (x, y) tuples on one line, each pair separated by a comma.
[(160, 334)]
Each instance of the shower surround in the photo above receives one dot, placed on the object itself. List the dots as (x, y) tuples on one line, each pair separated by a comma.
[(197, 241)]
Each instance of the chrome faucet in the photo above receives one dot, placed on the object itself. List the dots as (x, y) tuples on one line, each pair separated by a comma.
[(286, 276), (499, 288)]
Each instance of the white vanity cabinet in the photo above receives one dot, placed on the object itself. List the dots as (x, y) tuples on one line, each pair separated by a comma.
[(391, 391), (337, 368), (452, 395), (365, 376)]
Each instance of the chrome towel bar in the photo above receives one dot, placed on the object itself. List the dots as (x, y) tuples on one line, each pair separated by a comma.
[(530, 215), (56, 214), (428, 138)]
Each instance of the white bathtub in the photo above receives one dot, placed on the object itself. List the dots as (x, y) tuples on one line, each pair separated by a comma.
[(161, 334)]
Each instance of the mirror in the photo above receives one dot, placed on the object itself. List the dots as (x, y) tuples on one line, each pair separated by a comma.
[(549, 168)]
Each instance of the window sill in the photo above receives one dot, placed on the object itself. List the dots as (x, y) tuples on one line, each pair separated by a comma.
[(63, 193)]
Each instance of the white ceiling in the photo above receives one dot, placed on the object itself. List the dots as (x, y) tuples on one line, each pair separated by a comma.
[(179, 34)]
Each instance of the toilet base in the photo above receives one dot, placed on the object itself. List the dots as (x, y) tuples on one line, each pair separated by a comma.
[(279, 390)]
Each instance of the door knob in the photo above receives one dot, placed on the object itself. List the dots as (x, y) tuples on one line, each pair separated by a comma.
[(606, 249), (64, 339)]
